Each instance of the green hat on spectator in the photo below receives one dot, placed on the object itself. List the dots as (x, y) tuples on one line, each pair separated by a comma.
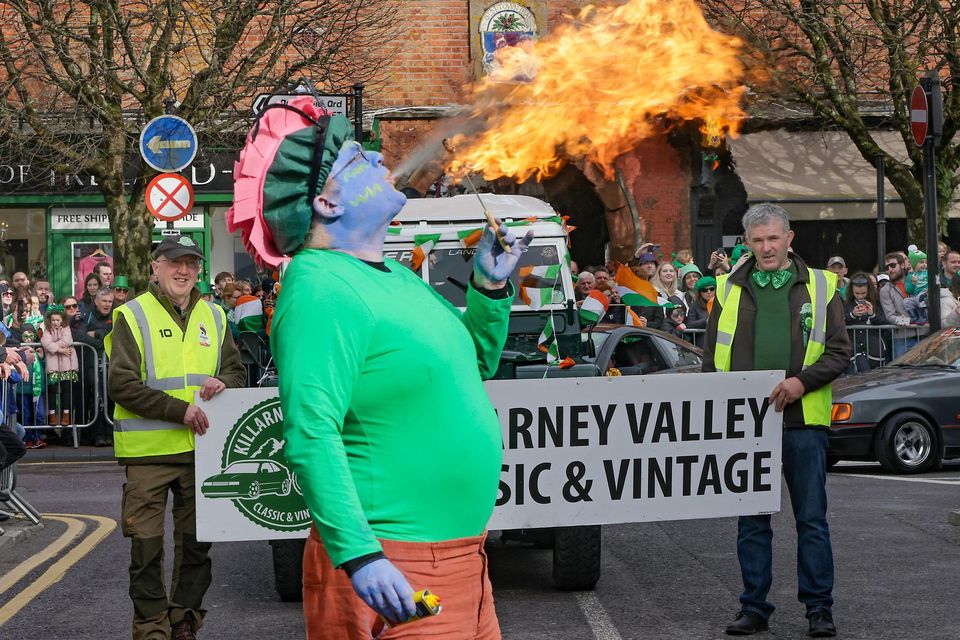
[(738, 252), (915, 257), (205, 288), (688, 269), (120, 282), (703, 283)]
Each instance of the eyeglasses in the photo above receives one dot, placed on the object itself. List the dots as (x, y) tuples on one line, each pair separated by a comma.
[(8, 293), (70, 306), (891, 265), (189, 264), (360, 154)]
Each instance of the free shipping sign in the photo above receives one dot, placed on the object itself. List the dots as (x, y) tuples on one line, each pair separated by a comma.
[(576, 451)]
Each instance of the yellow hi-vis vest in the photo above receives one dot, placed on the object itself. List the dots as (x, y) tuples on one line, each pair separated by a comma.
[(822, 286), (171, 360)]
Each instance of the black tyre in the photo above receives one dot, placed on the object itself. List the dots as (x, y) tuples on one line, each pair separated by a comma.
[(254, 490), (288, 569), (907, 443), (576, 558)]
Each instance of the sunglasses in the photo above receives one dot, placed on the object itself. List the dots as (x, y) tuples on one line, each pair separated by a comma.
[(70, 306), (859, 283), (123, 289), (705, 289), (892, 265)]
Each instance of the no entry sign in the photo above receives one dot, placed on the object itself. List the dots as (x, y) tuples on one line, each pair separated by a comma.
[(169, 197), (919, 115)]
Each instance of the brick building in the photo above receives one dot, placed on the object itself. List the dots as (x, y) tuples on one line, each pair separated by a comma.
[(442, 53)]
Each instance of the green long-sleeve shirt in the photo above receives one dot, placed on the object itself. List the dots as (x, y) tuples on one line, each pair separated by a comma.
[(386, 421)]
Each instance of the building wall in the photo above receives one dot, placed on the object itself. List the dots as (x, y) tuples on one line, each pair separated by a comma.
[(434, 68)]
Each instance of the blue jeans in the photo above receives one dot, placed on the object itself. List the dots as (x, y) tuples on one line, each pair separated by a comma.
[(805, 473), (902, 345)]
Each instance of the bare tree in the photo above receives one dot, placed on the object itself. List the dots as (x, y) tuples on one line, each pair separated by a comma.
[(79, 78), (853, 64)]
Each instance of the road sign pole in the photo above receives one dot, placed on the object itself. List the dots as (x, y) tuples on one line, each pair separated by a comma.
[(930, 201), (358, 111), (881, 214)]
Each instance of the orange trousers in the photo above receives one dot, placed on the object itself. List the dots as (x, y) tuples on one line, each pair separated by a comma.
[(455, 570)]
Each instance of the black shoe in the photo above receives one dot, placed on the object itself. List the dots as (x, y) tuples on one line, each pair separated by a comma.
[(99, 442), (747, 623), (821, 625)]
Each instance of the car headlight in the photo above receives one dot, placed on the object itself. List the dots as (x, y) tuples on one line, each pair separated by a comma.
[(841, 411)]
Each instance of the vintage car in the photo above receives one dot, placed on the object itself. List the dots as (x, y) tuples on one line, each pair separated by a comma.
[(905, 415)]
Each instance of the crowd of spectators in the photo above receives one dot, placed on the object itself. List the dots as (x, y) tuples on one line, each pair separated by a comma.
[(886, 309), (52, 367)]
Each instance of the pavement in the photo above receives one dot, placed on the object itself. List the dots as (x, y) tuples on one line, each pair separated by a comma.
[(66, 453), (15, 530)]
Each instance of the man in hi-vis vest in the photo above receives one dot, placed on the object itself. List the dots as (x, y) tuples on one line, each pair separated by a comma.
[(774, 312), (166, 345)]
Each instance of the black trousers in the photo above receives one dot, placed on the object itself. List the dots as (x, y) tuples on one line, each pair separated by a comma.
[(11, 447)]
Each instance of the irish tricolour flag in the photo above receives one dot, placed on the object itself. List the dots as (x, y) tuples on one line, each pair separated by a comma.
[(423, 246), (537, 285), (594, 307), (637, 292)]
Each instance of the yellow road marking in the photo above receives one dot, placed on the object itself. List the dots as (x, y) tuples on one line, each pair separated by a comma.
[(59, 568), (74, 528)]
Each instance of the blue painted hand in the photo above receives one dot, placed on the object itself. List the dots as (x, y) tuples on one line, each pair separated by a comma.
[(358, 202), (493, 263), (385, 590)]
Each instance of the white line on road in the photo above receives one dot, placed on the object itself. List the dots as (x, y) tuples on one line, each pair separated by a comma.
[(953, 482), (600, 623)]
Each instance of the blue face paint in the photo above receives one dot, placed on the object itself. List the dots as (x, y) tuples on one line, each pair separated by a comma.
[(358, 202)]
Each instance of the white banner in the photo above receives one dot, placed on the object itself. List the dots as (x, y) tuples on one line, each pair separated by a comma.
[(576, 451), (636, 449)]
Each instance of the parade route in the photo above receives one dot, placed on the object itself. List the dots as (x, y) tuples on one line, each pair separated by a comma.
[(895, 552)]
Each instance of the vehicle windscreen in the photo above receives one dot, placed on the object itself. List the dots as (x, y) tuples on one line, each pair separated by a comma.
[(242, 467), (940, 350), (449, 269)]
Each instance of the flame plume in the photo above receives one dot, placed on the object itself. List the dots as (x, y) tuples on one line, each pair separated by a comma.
[(599, 85)]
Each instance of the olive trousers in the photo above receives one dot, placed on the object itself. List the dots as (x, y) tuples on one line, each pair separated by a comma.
[(142, 520)]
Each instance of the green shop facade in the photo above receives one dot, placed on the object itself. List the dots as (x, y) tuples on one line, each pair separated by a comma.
[(54, 226)]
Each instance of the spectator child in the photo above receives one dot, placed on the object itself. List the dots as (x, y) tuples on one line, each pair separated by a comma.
[(862, 307), (916, 286), (30, 391), (63, 367)]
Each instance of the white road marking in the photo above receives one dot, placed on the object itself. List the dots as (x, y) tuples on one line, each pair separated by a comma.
[(953, 482), (600, 623)]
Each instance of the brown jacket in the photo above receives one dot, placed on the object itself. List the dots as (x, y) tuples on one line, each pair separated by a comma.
[(127, 389), (831, 365)]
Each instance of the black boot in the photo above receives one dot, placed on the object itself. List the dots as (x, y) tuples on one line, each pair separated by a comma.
[(747, 623)]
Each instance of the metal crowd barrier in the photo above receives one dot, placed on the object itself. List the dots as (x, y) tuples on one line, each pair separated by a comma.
[(88, 402), (873, 345), (8, 476), (695, 336)]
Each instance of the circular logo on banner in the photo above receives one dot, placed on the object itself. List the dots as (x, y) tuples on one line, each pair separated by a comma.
[(169, 197), (254, 472)]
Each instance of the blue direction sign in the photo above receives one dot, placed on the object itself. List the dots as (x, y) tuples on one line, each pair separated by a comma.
[(168, 143)]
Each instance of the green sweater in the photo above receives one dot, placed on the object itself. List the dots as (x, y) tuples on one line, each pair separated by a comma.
[(771, 341), (386, 421)]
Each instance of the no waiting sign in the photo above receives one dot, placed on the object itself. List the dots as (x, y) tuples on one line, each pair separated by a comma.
[(169, 197)]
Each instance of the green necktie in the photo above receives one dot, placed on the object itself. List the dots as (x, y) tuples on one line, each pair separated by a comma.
[(778, 278)]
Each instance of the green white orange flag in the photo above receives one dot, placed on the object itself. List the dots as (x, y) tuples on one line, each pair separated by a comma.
[(547, 343), (469, 237), (594, 307), (634, 290), (537, 285), (423, 245)]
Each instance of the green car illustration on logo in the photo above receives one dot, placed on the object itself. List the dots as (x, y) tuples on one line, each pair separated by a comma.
[(254, 473)]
